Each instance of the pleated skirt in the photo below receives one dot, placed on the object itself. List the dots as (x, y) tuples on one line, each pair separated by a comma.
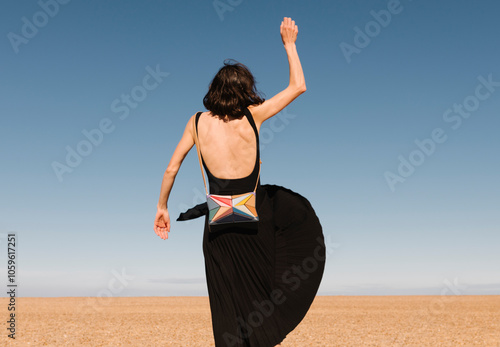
[(262, 282)]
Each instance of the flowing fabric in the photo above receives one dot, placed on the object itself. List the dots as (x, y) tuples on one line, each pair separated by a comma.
[(262, 282)]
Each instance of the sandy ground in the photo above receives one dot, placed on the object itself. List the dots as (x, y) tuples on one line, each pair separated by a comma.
[(185, 321)]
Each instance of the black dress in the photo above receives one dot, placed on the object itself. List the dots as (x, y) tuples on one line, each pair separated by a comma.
[(262, 282)]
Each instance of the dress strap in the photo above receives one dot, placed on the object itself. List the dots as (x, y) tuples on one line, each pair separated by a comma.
[(252, 123), (249, 116), (198, 114), (197, 144)]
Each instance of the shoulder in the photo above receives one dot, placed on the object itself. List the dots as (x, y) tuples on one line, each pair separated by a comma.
[(251, 108), (254, 112), (191, 123), (192, 119)]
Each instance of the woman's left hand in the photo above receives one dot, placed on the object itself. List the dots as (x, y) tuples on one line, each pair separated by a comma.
[(162, 223)]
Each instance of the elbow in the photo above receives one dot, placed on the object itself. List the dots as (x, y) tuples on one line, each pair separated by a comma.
[(171, 171), (300, 89)]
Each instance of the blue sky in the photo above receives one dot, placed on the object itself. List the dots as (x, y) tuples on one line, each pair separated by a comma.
[(382, 77)]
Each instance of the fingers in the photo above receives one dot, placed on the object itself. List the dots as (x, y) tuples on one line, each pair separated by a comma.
[(288, 25), (166, 229), (162, 224), (161, 232), (161, 228), (288, 22)]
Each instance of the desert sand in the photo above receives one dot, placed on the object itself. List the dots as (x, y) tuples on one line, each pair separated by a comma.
[(185, 321)]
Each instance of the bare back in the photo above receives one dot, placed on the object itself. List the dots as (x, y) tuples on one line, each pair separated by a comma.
[(228, 148)]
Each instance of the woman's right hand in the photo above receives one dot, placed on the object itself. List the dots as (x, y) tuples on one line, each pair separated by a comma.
[(288, 31), (162, 223)]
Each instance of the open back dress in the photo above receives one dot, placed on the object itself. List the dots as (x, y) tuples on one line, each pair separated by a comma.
[(261, 283)]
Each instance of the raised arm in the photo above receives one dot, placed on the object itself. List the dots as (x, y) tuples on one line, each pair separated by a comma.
[(162, 219), (297, 84)]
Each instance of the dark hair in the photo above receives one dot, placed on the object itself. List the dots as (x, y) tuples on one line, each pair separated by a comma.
[(231, 90)]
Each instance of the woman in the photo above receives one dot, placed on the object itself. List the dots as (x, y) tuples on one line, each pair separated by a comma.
[(261, 282)]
